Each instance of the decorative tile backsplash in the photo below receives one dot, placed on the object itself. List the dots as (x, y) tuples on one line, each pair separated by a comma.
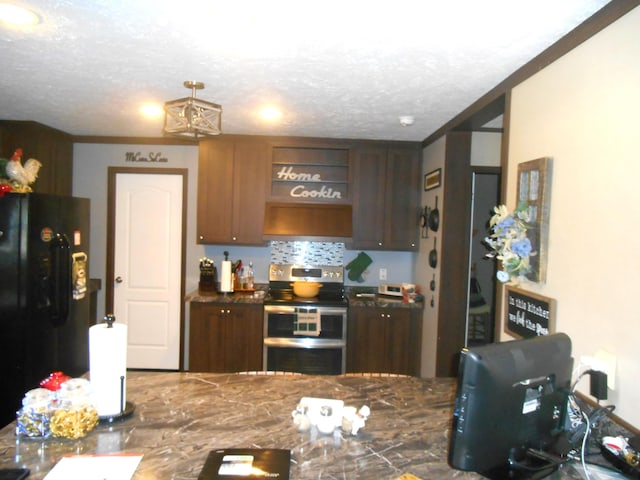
[(307, 253)]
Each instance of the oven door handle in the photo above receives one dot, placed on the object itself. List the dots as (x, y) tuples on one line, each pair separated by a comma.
[(304, 342), (279, 309)]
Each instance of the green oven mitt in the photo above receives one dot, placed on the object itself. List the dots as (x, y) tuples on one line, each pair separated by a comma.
[(357, 266)]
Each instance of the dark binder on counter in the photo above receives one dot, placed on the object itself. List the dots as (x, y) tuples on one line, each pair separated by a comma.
[(242, 463)]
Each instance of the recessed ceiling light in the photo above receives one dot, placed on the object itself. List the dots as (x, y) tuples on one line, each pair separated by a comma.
[(270, 113), (152, 110), (406, 120), (18, 16)]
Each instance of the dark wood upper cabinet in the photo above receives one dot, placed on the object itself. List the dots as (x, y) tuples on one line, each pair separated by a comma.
[(378, 182), (385, 192), (53, 148), (232, 185), (305, 219)]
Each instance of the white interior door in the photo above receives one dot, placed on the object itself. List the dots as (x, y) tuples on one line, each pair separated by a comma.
[(147, 267)]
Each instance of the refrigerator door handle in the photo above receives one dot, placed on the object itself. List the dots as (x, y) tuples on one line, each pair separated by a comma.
[(61, 279)]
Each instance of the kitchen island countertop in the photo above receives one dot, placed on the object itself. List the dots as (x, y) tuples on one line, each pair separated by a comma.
[(180, 417)]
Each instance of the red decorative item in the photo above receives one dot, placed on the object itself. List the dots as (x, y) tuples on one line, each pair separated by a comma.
[(54, 380), (4, 188)]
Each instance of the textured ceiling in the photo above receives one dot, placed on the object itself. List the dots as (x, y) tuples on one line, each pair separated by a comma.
[(341, 69)]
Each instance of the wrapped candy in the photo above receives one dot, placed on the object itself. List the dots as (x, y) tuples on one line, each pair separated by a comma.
[(54, 380), (33, 419), (75, 415)]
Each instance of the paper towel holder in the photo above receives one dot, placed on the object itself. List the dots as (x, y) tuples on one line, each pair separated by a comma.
[(109, 319), (126, 407), (129, 408)]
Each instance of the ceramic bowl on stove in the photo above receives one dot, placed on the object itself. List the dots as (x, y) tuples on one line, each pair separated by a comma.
[(306, 289)]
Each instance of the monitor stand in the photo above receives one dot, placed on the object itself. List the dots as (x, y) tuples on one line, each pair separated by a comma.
[(533, 465), (507, 472)]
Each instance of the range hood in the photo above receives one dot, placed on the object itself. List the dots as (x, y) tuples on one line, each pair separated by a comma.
[(307, 221)]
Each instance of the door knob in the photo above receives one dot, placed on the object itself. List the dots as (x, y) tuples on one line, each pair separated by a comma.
[(118, 279)]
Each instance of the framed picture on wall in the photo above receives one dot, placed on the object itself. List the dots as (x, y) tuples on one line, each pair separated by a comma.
[(534, 188), (432, 179)]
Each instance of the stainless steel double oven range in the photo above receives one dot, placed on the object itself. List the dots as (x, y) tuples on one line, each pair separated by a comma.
[(306, 335)]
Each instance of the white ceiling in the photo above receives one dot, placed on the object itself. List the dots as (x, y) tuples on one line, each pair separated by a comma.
[(340, 69)]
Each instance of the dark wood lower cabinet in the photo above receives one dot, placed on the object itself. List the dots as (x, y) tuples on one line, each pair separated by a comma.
[(384, 340), (225, 337)]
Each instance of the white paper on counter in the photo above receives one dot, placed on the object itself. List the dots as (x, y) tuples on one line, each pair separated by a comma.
[(95, 467)]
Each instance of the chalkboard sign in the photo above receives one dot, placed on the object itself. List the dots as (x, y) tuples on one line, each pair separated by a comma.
[(528, 314)]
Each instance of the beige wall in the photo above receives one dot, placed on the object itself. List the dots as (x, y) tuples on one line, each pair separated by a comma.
[(90, 165), (485, 149), (432, 157), (583, 112)]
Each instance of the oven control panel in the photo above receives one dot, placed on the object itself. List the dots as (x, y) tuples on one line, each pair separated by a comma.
[(293, 273)]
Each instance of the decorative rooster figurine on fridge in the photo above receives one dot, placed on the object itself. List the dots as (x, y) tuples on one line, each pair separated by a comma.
[(19, 176)]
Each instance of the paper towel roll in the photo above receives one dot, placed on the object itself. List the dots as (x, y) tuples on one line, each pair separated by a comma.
[(108, 367), (226, 279)]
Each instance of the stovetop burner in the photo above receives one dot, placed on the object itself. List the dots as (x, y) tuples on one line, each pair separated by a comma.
[(278, 297)]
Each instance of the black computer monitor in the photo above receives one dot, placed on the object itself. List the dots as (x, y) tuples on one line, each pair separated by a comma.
[(510, 407)]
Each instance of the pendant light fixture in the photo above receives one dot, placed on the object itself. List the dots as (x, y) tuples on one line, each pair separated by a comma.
[(191, 117)]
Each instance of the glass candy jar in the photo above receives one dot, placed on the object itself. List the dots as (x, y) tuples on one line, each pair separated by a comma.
[(75, 415), (33, 419)]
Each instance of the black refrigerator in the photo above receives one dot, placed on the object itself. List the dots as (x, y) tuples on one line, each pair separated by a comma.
[(44, 301)]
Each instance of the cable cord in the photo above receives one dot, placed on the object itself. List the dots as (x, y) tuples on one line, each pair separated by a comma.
[(594, 418), (584, 446)]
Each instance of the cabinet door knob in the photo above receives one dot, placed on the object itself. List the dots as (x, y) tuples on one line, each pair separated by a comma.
[(201, 237), (118, 279), (234, 238), (379, 244)]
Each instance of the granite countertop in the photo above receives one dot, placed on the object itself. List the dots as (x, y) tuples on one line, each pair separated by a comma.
[(257, 298), (381, 301), (180, 417)]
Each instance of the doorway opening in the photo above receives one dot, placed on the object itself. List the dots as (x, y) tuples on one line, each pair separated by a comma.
[(482, 271), (146, 224)]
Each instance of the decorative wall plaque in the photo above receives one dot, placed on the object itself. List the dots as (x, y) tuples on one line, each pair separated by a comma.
[(318, 175), (528, 314)]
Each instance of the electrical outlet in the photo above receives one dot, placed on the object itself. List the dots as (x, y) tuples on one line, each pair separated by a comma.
[(603, 362), (593, 363), (383, 274), (610, 361)]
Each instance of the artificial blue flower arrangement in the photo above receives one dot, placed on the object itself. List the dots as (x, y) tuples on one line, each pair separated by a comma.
[(509, 242)]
